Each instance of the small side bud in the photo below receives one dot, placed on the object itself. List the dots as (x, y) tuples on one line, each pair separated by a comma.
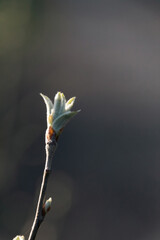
[(47, 205), (19, 238)]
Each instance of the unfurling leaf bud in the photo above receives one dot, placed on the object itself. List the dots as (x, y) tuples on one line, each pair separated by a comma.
[(59, 113)]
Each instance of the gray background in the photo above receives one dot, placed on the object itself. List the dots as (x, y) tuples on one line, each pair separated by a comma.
[(105, 182)]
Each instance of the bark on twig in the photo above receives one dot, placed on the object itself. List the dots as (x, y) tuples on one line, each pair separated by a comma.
[(51, 144)]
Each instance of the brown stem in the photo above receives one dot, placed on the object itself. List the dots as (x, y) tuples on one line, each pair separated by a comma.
[(39, 216)]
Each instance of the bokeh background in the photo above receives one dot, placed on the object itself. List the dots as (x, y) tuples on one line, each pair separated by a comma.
[(105, 182)]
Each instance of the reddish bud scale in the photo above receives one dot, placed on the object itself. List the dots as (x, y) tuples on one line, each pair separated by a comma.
[(50, 133)]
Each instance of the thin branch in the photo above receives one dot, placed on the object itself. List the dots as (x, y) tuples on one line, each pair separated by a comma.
[(51, 144), (58, 115)]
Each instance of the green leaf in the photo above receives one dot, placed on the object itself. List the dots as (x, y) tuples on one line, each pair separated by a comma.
[(69, 103), (62, 120), (57, 104), (48, 102)]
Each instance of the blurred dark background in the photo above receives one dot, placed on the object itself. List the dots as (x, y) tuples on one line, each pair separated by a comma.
[(105, 182)]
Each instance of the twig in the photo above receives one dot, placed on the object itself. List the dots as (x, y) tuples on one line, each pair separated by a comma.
[(51, 143), (58, 115)]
